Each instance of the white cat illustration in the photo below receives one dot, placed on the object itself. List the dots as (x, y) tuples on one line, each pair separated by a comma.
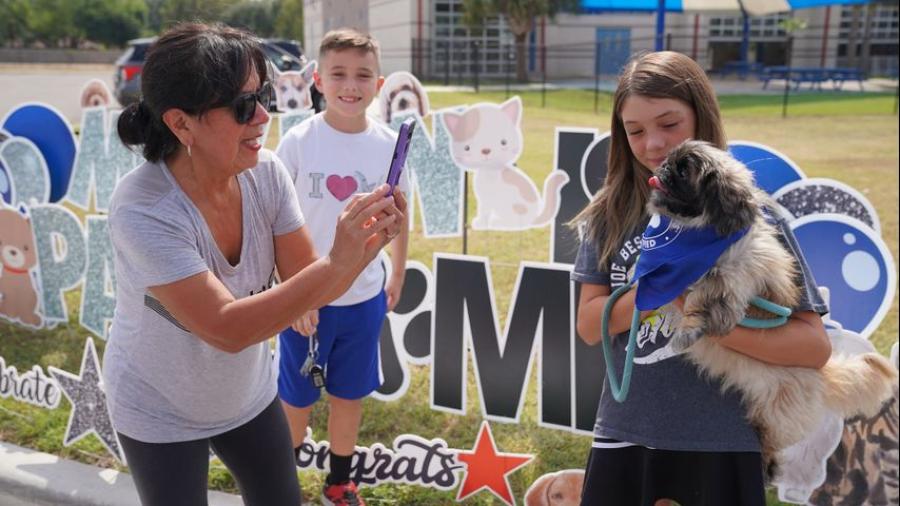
[(487, 140)]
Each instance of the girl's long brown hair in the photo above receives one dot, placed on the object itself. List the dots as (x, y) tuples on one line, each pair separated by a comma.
[(619, 205)]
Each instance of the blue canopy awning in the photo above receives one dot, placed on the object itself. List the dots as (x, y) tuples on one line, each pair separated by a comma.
[(751, 7), (746, 7)]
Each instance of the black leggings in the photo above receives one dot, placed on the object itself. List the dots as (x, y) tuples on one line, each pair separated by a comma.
[(258, 454)]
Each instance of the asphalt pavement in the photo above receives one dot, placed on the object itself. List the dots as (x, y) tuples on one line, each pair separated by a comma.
[(57, 85)]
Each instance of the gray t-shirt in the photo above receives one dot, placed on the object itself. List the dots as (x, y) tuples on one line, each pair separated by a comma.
[(669, 405), (164, 384)]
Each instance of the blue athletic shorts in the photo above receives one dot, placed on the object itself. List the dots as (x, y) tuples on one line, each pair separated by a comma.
[(348, 352)]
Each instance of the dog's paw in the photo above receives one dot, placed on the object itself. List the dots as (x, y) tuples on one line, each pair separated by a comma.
[(684, 338), (722, 320), (722, 327)]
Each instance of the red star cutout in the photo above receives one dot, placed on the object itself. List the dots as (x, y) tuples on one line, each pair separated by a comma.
[(485, 468)]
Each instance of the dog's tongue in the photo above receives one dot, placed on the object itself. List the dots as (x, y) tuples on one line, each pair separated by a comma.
[(655, 183)]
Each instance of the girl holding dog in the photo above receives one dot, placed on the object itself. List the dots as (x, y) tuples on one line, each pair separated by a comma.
[(677, 436)]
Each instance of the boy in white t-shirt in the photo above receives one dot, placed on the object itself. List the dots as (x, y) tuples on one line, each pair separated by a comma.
[(332, 156)]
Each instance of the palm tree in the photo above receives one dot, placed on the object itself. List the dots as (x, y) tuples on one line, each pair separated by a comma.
[(519, 15)]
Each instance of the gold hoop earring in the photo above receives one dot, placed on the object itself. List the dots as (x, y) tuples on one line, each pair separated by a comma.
[(189, 150)]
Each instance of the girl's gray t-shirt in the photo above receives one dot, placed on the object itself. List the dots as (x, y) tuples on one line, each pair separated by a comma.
[(164, 384), (670, 404)]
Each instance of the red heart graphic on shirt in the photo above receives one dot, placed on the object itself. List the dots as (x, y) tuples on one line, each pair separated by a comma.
[(341, 187)]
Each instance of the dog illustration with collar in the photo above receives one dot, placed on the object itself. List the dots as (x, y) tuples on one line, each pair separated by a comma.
[(18, 255)]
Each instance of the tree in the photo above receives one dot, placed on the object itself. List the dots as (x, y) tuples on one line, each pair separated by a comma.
[(154, 15), (52, 22), (257, 16), (175, 11), (14, 21), (289, 19), (110, 22), (791, 26), (519, 15)]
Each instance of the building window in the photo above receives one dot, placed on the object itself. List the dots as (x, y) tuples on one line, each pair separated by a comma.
[(771, 34), (451, 38), (879, 29)]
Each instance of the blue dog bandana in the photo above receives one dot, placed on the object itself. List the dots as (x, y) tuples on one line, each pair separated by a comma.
[(673, 258)]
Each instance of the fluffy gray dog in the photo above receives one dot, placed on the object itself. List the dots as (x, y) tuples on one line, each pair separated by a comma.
[(700, 186)]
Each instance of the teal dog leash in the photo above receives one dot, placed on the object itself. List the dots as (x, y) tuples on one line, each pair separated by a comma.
[(620, 392)]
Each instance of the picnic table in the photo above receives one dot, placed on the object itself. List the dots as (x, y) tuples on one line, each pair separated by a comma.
[(815, 76), (741, 68)]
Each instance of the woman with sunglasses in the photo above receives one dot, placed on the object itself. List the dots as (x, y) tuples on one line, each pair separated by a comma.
[(200, 232)]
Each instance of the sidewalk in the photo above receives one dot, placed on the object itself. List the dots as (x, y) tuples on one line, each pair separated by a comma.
[(31, 478)]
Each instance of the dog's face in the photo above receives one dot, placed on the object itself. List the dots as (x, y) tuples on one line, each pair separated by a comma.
[(292, 89), (701, 185), (402, 92), (17, 249), (405, 98), (562, 488), (95, 94)]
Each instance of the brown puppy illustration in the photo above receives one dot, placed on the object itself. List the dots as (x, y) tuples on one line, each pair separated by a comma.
[(402, 92), (95, 94), (18, 255), (562, 488)]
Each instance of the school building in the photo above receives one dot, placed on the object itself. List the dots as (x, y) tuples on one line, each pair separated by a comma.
[(428, 37)]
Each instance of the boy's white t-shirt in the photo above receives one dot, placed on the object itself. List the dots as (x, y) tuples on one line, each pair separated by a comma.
[(328, 167)]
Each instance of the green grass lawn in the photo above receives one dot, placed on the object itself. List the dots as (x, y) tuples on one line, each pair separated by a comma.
[(847, 136)]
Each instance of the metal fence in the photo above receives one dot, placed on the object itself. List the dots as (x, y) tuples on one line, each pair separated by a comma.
[(792, 63), (471, 61)]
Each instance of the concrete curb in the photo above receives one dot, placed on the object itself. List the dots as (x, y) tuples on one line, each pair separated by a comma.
[(41, 478)]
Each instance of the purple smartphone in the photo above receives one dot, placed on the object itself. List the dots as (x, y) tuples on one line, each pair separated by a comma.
[(404, 136)]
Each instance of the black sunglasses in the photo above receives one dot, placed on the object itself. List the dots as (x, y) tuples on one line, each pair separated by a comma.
[(244, 106)]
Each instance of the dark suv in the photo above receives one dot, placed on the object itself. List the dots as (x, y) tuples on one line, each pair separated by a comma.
[(283, 60), (291, 46), (129, 66), (128, 71)]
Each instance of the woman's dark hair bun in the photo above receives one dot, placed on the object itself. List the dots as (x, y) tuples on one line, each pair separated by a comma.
[(133, 123)]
